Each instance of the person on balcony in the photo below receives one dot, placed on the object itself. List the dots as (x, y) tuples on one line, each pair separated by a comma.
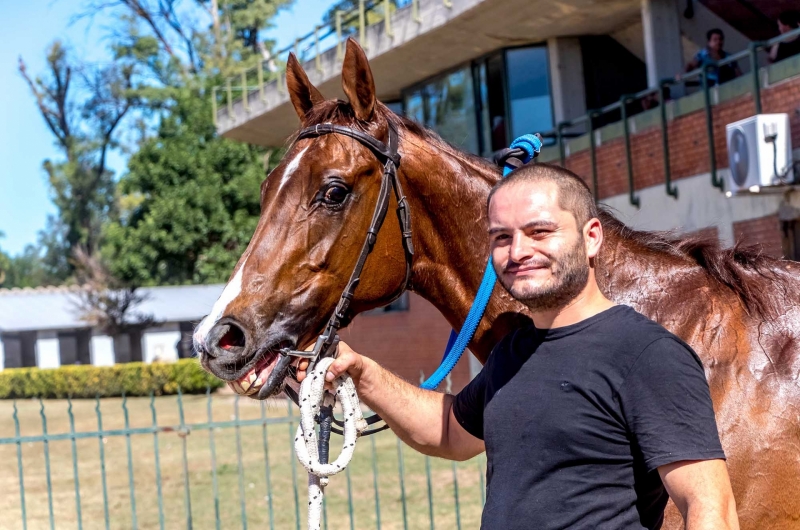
[(710, 55), (787, 21)]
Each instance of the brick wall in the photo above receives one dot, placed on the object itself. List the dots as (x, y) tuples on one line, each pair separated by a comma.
[(688, 143), (710, 232), (764, 232), (406, 342)]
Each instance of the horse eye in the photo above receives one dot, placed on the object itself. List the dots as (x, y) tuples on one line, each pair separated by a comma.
[(335, 195)]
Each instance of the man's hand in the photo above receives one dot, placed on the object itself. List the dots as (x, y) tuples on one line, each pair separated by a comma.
[(701, 489), (421, 418), (347, 361)]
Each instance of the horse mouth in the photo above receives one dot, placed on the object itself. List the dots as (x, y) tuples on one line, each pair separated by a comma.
[(257, 383)]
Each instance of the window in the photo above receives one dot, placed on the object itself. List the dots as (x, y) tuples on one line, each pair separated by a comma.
[(491, 94), (446, 104), (530, 104)]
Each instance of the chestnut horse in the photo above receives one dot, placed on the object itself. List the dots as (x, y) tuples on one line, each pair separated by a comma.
[(736, 308)]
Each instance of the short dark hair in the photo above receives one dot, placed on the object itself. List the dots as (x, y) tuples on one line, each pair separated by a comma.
[(574, 195), (715, 31), (790, 18)]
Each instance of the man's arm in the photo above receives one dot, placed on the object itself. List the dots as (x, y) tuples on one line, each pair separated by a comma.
[(702, 492), (421, 418)]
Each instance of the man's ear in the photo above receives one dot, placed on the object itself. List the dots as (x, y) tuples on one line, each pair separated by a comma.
[(593, 237), (357, 81), (303, 94)]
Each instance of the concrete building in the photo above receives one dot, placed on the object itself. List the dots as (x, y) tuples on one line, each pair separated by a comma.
[(481, 72)]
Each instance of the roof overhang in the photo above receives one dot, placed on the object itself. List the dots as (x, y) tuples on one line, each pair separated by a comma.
[(443, 39)]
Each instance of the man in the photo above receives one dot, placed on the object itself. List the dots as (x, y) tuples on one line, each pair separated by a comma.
[(591, 415), (708, 56), (787, 21)]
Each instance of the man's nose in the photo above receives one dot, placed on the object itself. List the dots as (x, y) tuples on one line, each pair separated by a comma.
[(522, 248)]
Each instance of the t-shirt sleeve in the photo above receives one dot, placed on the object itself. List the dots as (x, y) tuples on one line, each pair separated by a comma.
[(666, 403), (469, 403)]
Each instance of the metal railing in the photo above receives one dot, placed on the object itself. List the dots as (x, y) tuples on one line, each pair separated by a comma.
[(660, 92), (165, 462), (327, 36)]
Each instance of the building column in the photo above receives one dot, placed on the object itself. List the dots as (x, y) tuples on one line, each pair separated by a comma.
[(662, 39), (568, 88)]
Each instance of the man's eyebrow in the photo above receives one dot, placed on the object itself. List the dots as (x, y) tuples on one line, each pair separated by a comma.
[(539, 223)]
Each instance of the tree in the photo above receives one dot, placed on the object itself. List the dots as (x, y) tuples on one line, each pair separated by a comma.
[(81, 185), (105, 303), (189, 202)]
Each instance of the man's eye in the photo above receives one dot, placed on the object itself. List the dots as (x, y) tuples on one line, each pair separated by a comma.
[(335, 195)]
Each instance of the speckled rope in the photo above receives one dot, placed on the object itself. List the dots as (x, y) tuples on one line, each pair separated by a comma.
[(312, 396)]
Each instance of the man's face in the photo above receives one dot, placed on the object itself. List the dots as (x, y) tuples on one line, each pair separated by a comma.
[(716, 42), (783, 28), (538, 250)]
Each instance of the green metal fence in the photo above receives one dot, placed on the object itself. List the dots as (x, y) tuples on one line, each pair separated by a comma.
[(213, 461)]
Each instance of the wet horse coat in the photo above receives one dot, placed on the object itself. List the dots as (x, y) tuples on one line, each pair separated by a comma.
[(737, 309)]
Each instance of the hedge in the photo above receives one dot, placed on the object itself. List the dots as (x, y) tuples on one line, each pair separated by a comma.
[(84, 381)]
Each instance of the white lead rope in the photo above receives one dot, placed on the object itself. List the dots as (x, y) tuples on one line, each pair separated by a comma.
[(312, 396)]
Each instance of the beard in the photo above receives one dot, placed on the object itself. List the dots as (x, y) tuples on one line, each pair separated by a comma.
[(569, 276)]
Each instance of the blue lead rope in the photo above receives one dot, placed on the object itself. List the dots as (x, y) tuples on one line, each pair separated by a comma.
[(531, 144)]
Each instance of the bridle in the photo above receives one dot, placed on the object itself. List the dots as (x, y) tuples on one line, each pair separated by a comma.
[(328, 341)]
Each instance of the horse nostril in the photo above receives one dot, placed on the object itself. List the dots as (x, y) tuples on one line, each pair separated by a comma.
[(233, 338), (226, 337)]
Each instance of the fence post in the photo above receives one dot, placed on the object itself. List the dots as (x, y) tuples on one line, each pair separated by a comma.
[(267, 475), (415, 12), (102, 458), (213, 449), (560, 139), (245, 92), (75, 476), (131, 486), (712, 151), (634, 200), (593, 154), (260, 74), (754, 46), (156, 451), (362, 25), (230, 99), (20, 469), (375, 483), (672, 191), (239, 463), (183, 432), (401, 476), (46, 446), (387, 13), (318, 54), (339, 51)]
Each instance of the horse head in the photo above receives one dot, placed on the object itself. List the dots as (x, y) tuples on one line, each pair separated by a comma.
[(316, 208)]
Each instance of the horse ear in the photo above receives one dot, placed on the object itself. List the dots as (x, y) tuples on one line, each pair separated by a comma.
[(303, 94), (357, 81)]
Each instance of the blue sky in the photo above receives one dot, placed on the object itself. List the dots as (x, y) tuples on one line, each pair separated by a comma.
[(28, 28)]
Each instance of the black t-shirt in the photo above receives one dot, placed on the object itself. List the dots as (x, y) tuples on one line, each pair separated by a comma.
[(577, 419)]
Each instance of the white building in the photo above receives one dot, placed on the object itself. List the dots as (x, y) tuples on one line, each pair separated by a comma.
[(43, 327)]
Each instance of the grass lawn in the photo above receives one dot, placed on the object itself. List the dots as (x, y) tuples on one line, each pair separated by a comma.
[(288, 480)]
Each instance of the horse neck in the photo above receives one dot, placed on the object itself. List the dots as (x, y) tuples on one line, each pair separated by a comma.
[(447, 192)]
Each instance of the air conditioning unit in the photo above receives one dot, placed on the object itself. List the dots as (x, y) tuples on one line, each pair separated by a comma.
[(760, 153)]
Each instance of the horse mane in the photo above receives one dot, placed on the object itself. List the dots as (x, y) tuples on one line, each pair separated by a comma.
[(743, 269)]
